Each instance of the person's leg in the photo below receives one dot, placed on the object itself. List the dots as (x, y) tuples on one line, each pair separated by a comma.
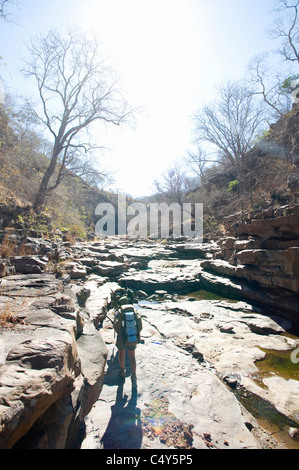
[(132, 359), (121, 360)]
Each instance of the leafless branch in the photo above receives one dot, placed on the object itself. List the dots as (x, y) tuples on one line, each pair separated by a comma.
[(268, 84), (231, 123), (5, 13), (173, 184), (77, 90), (286, 27), (198, 160)]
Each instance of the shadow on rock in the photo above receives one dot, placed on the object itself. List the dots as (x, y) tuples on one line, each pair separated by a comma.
[(111, 376), (124, 428)]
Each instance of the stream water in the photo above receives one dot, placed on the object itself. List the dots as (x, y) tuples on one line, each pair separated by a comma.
[(268, 417)]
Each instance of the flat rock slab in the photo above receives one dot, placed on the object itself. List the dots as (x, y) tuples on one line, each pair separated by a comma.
[(194, 355), (173, 276), (231, 336), (178, 402), (100, 297), (31, 285)]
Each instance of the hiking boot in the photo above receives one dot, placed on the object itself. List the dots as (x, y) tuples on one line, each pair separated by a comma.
[(134, 381), (122, 373)]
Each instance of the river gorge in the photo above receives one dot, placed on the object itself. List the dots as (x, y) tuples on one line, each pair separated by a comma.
[(217, 366)]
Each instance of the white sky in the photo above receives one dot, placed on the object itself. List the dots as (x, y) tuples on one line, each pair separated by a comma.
[(170, 54)]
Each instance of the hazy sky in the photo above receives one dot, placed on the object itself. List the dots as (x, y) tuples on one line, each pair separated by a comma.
[(170, 55)]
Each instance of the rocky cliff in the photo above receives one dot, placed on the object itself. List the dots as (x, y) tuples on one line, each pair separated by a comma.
[(283, 138), (263, 251), (52, 363)]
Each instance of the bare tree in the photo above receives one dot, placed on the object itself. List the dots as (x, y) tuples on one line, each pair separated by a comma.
[(231, 123), (272, 86), (269, 85), (286, 27), (198, 160), (77, 90), (174, 184), (23, 121), (5, 13)]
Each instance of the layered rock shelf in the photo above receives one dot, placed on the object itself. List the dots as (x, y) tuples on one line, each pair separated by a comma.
[(264, 252), (49, 381), (212, 314)]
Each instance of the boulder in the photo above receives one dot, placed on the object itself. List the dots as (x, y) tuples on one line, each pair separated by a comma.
[(51, 365), (75, 270), (89, 261), (99, 300), (110, 268), (82, 296), (28, 264), (31, 285), (36, 374)]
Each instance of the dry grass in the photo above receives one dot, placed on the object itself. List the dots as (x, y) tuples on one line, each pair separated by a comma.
[(24, 250), (7, 247), (70, 238), (11, 311)]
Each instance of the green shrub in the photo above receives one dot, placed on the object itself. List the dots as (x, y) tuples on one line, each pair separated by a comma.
[(233, 186), (77, 231)]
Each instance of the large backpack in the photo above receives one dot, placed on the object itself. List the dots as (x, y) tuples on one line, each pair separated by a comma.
[(128, 324)]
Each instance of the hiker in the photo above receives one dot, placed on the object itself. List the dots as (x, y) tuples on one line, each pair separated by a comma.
[(127, 324)]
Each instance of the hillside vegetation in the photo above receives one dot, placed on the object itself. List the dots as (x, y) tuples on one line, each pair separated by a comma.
[(70, 208), (242, 162), (270, 177)]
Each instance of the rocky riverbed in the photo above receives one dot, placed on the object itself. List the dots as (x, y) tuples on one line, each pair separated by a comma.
[(200, 384), (197, 369)]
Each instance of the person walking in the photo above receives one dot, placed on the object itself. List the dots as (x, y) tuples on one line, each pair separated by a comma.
[(128, 325)]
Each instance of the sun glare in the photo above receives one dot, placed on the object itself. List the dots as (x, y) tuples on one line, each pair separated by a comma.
[(151, 45)]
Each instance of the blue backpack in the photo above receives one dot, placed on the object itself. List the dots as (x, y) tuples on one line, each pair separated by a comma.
[(130, 327), (128, 324)]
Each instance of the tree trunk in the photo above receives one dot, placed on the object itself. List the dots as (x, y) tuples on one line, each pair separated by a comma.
[(42, 190)]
